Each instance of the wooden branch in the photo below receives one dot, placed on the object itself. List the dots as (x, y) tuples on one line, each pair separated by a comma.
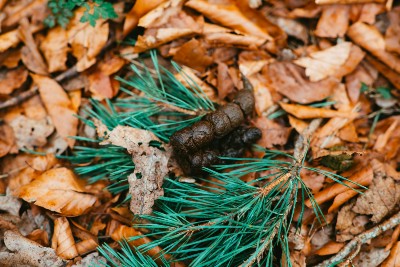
[(361, 239)]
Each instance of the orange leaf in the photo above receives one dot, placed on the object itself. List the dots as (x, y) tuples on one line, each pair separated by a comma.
[(305, 112), (59, 107), (12, 79), (86, 246), (342, 198), (330, 248), (63, 242), (58, 190), (333, 22), (55, 48), (394, 257)]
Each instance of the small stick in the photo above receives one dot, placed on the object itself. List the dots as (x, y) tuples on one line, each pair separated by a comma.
[(362, 239)]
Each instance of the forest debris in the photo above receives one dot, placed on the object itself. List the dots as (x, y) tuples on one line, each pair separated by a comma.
[(394, 257), (55, 49), (12, 79), (349, 223), (151, 164), (31, 133), (24, 252), (392, 35), (9, 39), (229, 16), (225, 82), (329, 248), (306, 112), (355, 57), (383, 139), (39, 236), (194, 55), (59, 107), (45, 191), (342, 198), (262, 94), (333, 22), (62, 241), (290, 80), (371, 258), (7, 139), (92, 259), (371, 39), (10, 204), (322, 2), (381, 198), (322, 64), (272, 133)]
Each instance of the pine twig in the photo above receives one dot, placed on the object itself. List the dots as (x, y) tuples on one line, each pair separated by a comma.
[(361, 239)]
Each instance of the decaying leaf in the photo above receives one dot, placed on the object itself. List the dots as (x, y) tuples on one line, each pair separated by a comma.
[(349, 224), (31, 133), (55, 48), (194, 55), (322, 64), (24, 252), (334, 21), (7, 139), (394, 258), (330, 248), (58, 190), (59, 107), (12, 79), (306, 112), (272, 133), (381, 198), (151, 164), (371, 258), (10, 204), (63, 242), (392, 36), (290, 80)]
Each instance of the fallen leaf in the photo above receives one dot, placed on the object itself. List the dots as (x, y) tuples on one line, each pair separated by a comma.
[(381, 198), (355, 57), (7, 140), (86, 41), (9, 39), (12, 79), (235, 40), (58, 106), (290, 80), (328, 62), (85, 246), (297, 124), (383, 139), (291, 27), (394, 238), (24, 252), (364, 73), (39, 236), (262, 94), (62, 241), (392, 35), (322, 2), (31, 133), (194, 55), (229, 16), (27, 10), (58, 190), (363, 177), (333, 22), (11, 58), (371, 39), (306, 112), (341, 199), (385, 70), (394, 257), (93, 259), (100, 85), (371, 258), (151, 164), (252, 62), (272, 132), (349, 224), (225, 82), (55, 49), (10, 204), (330, 248), (313, 180), (369, 11)]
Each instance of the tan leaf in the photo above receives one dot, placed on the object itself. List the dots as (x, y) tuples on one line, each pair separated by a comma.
[(236, 40), (63, 242), (272, 132), (306, 112), (297, 124), (24, 252), (349, 224), (27, 10), (330, 248), (194, 55), (39, 236), (392, 35), (58, 106), (7, 139), (12, 79), (394, 256), (58, 190), (364, 73), (362, 177), (321, 2), (9, 39), (86, 41), (100, 85), (86, 246), (229, 16), (385, 70), (151, 164), (225, 84), (341, 199), (328, 62), (262, 94), (290, 80), (333, 22), (355, 57), (55, 49), (31, 133), (383, 139), (371, 39)]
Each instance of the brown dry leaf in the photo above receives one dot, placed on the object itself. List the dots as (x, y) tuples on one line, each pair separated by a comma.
[(59, 107), (151, 164), (330, 248), (30, 133), (328, 62), (252, 62), (194, 55), (382, 140), (93, 259), (354, 59), (381, 198), (373, 257), (341, 199), (12, 79), (349, 224), (225, 84), (306, 112), (25, 10), (39, 236), (297, 124), (86, 41), (10, 204), (229, 16), (394, 257), (364, 73), (55, 49), (9, 39), (313, 180), (272, 132), (392, 35), (385, 70), (63, 242), (321, 2), (24, 252), (394, 238), (363, 177), (58, 190), (262, 94), (290, 80), (30, 54), (291, 27), (140, 8), (86, 246), (10, 59), (371, 39), (100, 85), (333, 22), (7, 139), (228, 39)]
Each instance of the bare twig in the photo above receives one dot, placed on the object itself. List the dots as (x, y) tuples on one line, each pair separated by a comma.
[(362, 239)]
